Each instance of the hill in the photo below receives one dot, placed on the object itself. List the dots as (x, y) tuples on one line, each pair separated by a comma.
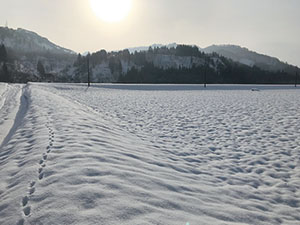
[(249, 58), (21, 40), (26, 56), (26, 49)]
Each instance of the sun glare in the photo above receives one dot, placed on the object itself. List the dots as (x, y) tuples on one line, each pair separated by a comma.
[(111, 10)]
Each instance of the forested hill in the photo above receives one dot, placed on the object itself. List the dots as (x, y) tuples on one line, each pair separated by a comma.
[(26, 56), (187, 64)]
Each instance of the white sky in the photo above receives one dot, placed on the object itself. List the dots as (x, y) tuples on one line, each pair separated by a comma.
[(267, 26)]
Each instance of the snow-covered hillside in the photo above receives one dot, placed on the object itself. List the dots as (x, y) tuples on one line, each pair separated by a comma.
[(150, 154), (235, 53), (247, 57), (26, 49), (172, 61), (27, 41)]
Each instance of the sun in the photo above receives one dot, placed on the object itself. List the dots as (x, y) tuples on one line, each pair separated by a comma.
[(111, 10)]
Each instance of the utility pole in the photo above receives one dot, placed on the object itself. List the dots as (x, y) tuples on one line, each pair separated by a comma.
[(296, 80), (88, 68), (205, 71)]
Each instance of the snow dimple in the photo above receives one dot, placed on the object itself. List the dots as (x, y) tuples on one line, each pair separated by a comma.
[(25, 201), (133, 156), (27, 210)]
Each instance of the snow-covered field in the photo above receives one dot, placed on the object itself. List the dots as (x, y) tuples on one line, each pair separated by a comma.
[(149, 154)]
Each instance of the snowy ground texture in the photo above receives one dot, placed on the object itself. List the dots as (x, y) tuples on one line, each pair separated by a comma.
[(146, 154)]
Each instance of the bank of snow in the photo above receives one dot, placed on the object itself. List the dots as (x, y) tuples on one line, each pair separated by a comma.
[(10, 98)]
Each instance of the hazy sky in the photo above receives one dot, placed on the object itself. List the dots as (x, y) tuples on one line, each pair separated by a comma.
[(267, 26)]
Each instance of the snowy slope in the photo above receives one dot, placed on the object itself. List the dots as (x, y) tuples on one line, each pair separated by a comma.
[(26, 48), (28, 41), (9, 106), (152, 154), (247, 57)]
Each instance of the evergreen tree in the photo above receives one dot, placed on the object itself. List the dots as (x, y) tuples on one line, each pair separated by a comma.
[(4, 74), (3, 53), (40, 68), (78, 60), (115, 64)]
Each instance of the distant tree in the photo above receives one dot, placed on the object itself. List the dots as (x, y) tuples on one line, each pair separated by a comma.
[(3, 53), (78, 60), (187, 50), (150, 50), (115, 64), (125, 54), (40, 68), (98, 57), (103, 54), (4, 74)]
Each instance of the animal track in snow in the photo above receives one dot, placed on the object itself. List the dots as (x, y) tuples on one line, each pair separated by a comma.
[(41, 176), (32, 184), (26, 199), (26, 210), (31, 190)]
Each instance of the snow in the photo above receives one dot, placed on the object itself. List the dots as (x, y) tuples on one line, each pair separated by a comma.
[(247, 57), (152, 154), (9, 106)]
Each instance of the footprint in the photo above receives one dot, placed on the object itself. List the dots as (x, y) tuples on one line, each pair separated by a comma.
[(40, 170), (48, 151), (32, 183), (26, 210), (41, 176), (41, 161), (45, 157), (25, 201), (32, 190)]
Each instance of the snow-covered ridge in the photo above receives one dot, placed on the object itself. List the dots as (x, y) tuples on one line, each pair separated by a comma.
[(28, 41), (234, 52), (27, 48), (245, 56)]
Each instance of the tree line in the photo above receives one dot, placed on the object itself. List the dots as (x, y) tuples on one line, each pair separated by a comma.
[(4, 73), (225, 72), (214, 69)]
